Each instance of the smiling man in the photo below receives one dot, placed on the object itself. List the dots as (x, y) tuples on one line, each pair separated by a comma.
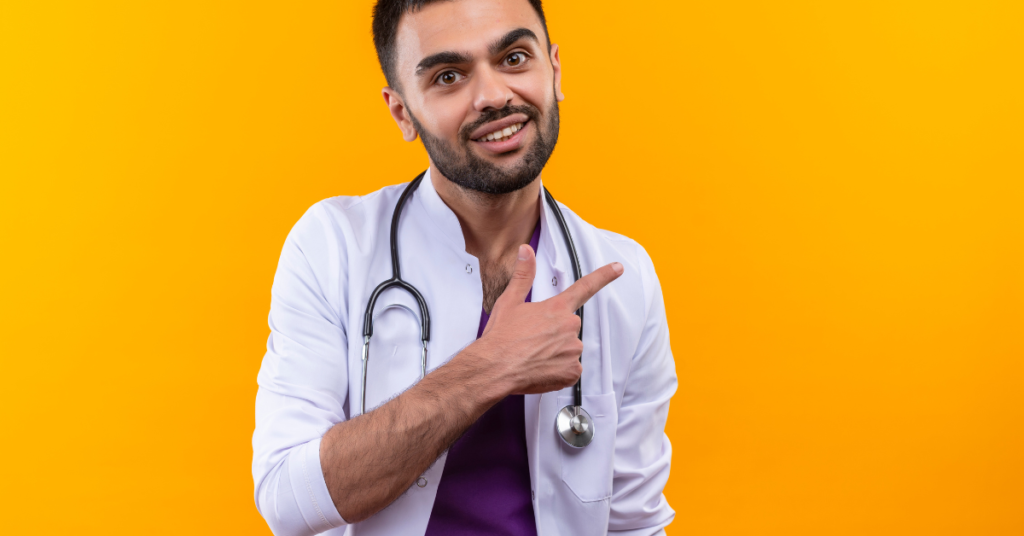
[(487, 402)]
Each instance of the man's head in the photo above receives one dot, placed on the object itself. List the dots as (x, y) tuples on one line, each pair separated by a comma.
[(461, 70)]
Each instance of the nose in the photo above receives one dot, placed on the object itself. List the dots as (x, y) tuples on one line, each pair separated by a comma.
[(490, 91)]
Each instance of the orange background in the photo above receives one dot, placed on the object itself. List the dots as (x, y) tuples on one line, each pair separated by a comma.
[(832, 192)]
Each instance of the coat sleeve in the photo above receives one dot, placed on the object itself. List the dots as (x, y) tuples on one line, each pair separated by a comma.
[(642, 449), (302, 381)]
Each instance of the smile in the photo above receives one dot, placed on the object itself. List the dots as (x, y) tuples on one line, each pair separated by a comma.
[(502, 135)]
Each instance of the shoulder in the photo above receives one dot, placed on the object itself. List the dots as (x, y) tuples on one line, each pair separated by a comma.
[(331, 230), (346, 215)]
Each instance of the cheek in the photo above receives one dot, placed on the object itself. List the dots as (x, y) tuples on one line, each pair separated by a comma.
[(536, 89), (448, 115)]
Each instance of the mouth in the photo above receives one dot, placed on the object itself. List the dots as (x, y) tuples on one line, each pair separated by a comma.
[(503, 133), (505, 139)]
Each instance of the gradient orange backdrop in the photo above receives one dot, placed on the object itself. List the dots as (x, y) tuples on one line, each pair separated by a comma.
[(832, 192)]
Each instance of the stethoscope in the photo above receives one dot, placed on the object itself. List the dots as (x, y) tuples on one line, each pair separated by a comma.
[(573, 424)]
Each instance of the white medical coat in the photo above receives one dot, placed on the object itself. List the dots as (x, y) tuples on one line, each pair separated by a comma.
[(335, 256)]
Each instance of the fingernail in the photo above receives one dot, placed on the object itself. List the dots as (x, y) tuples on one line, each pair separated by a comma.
[(617, 267), (523, 255)]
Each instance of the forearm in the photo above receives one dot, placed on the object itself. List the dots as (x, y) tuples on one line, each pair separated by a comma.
[(369, 461)]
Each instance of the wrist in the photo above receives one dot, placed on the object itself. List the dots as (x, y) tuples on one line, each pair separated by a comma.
[(488, 372)]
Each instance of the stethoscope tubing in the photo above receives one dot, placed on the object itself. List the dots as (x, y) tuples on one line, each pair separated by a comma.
[(396, 272), (397, 281), (577, 390)]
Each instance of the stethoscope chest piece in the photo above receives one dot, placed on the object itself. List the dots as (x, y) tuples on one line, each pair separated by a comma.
[(575, 426)]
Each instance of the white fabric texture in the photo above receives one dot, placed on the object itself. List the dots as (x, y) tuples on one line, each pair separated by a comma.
[(334, 257)]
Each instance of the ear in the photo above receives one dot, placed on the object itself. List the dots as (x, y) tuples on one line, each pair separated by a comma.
[(399, 113), (556, 64)]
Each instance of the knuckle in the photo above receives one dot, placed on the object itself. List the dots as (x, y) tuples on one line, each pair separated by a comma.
[(573, 375)]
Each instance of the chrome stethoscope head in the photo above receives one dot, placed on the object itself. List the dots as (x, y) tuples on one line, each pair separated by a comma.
[(574, 426)]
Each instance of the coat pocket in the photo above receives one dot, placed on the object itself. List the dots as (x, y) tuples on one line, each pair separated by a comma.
[(588, 471)]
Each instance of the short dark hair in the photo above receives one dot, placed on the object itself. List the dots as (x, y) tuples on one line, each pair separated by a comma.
[(387, 14)]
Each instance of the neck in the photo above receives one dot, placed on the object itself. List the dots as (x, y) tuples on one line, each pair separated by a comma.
[(493, 225)]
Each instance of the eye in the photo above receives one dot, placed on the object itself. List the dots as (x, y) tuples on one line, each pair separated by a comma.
[(515, 59), (448, 78)]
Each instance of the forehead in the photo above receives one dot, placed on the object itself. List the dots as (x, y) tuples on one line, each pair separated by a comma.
[(460, 26)]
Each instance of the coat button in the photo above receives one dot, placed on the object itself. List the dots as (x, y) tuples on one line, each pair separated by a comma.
[(421, 482), (533, 495), (469, 269), (554, 281)]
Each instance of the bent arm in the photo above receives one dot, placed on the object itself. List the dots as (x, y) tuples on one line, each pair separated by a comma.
[(302, 381), (314, 468), (369, 461)]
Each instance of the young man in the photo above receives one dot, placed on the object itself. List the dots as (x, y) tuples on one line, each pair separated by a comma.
[(471, 448)]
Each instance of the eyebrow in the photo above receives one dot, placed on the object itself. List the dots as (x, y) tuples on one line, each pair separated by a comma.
[(451, 57), (510, 38)]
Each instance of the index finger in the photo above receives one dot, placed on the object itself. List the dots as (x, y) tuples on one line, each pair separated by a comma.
[(582, 290)]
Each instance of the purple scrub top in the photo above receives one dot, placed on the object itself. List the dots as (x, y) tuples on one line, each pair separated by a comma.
[(485, 487)]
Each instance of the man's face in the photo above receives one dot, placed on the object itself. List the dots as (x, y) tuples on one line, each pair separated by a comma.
[(471, 72)]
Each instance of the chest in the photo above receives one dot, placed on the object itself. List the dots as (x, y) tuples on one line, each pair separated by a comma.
[(452, 284), (495, 275)]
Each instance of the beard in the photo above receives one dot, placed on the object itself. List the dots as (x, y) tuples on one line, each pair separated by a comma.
[(459, 164)]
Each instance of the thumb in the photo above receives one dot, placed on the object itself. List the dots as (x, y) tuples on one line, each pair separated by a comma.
[(522, 278)]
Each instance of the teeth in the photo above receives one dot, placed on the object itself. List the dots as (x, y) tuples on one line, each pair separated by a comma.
[(500, 135)]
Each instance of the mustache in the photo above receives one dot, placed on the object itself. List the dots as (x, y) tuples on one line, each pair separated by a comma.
[(494, 115)]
